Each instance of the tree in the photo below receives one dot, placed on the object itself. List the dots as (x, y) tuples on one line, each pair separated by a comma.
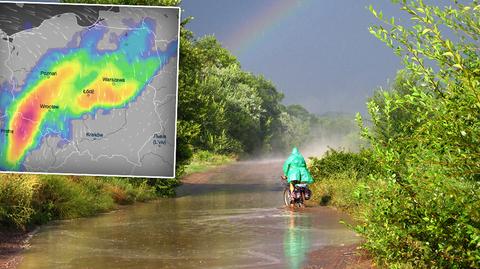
[(425, 135), (222, 108)]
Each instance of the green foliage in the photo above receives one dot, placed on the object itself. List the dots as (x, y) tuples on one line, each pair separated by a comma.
[(229, 110), (16, 194), (314, 133), (293, 132), (340, 162), (341, 179), (163, 187), (27, 199), (203, 160), (60, 198), (127, 191), (390, 125), (339, 190), (425, 135)]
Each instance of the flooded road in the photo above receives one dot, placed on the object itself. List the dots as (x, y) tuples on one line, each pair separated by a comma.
[(231, 217)]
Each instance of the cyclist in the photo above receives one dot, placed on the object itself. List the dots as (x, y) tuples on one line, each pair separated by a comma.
[(295, 169)]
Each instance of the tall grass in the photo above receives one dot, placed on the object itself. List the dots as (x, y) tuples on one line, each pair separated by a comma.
[(16, 195), (29, 199), (124, 192), (336, 190), (342, 178), (203, 160)]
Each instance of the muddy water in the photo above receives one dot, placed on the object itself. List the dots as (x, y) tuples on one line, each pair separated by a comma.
[(229, 218)]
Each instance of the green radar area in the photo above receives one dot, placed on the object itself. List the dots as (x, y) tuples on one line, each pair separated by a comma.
[(88, 89)]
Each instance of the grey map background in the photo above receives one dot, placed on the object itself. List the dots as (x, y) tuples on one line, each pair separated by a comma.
[(127, 147)]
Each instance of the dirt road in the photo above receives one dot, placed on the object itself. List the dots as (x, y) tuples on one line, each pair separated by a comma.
[(230, 217)]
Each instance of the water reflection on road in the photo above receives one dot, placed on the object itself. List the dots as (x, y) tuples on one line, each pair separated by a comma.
[(296, 241), (232, 218)]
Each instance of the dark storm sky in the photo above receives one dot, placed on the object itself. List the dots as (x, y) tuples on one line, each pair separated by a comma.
[(321, 55)]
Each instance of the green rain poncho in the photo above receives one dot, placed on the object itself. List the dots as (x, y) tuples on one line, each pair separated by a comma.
[(295, 168)]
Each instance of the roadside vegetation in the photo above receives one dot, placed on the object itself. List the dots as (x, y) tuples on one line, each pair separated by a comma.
[(205, 160), (28, 200), (419, 206), (340, 178)]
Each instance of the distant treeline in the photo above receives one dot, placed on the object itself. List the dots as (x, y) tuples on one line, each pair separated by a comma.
[(227, 110), (224, 109)]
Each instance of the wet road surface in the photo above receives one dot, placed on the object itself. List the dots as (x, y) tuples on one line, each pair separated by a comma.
[(231, 217)]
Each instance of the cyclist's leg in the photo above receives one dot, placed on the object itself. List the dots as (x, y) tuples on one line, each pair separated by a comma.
[(294, 177)]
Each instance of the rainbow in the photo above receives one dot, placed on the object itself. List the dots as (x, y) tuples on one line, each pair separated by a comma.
[(68, 83), (266, 19)]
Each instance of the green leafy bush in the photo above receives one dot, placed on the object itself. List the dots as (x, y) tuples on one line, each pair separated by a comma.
[(128, 191), (435, 228), (59, 197), (359, 165), (424, 210), (342, 179), (203, 160), (164, 187), (16, 192), (27, 199), (338, 190)]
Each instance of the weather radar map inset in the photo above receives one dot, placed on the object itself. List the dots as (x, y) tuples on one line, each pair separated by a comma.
[(88, 89)]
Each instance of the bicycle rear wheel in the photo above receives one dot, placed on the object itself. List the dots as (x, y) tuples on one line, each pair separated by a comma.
[(286, 197)]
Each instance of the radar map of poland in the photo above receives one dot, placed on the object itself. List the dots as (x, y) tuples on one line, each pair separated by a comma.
[(88, 89)]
